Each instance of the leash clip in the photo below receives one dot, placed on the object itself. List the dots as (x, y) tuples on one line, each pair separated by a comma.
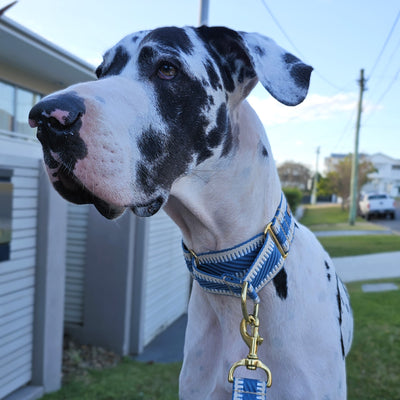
[(253, 340)]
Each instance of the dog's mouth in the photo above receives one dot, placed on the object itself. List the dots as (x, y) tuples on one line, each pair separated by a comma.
[(73, 190)]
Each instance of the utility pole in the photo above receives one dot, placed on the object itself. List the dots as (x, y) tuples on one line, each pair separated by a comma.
[(203, 19), (354, 164), (314, 190)]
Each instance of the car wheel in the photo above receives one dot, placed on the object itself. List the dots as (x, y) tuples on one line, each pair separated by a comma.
[(392, 215), (368, 216)]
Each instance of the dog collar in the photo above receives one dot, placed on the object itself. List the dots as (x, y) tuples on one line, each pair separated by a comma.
[(256, 261)]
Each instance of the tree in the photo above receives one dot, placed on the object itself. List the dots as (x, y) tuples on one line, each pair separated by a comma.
[(339, 179), (325, 187), (293, 174)]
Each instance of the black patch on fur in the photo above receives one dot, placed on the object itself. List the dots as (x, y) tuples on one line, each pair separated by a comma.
[(264, 152), (212, 76), (118, 63), (61, 138), (182, 103), (150, 145), (172, 37), (229, 53), (327, 265), (48, 158), (339, 303), (328, 268), (135, 38), (290, 59), (295, 225), (259, 50), (232, 134), (216, 134), (146, 62), (280, 283), (144, 178), (299, 71), (301, 75)]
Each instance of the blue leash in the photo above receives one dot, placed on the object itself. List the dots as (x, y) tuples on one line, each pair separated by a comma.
[(242, 271), (249, 389)]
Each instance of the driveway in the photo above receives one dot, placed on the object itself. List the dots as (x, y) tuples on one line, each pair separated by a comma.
[(392, 224)]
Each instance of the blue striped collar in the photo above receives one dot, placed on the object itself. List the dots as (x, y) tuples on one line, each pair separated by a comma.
[(256, 261)]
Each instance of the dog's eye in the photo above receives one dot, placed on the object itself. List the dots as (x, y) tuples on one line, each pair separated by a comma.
[(167, 71)]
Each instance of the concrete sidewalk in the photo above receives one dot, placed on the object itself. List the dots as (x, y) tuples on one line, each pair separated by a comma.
[(368, 267)]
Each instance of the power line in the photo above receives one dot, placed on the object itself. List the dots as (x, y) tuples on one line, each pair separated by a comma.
[(345, 129), (281, 28), (296, 48), (385, 92), (384, 44)]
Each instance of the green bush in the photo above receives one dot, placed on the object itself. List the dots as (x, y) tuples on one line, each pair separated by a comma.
[(293, 196)]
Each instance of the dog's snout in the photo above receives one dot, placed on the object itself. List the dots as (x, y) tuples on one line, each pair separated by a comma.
[(56, 117)]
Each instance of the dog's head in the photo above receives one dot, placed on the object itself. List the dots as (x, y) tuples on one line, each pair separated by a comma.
[(161, 106)]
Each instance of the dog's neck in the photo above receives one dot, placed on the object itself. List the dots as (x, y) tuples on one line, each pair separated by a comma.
[(228, 200)]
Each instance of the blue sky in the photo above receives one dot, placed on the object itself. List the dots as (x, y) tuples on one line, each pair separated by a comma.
[(336, 37)]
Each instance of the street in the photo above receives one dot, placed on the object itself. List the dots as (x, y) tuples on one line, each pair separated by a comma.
[(391, 224)]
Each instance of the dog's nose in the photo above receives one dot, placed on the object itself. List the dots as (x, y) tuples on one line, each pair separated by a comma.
[(57, 117)]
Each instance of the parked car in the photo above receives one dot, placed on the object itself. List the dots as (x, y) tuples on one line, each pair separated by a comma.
[(377, 204)]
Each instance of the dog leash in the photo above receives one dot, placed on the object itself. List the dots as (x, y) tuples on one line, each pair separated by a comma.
[(242, 271)]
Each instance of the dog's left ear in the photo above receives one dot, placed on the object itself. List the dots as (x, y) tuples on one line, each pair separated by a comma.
[(284, 76)]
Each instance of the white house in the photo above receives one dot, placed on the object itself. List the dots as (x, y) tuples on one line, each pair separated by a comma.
[(63, 267), (386, 179)]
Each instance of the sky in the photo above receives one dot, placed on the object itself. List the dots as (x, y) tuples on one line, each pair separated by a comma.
[(337, 37)]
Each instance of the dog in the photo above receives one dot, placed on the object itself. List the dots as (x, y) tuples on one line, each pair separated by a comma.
[(167, 125)]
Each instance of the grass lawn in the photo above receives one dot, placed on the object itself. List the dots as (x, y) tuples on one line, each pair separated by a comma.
[(326, 214), (331, 217), (373, 365), (130, 380), (341, 246)]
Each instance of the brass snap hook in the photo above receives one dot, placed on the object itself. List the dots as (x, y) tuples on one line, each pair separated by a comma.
[(252, 340)]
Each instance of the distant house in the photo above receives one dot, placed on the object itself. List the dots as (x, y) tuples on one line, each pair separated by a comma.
[(63, 268), (385, 180), (387, 177)]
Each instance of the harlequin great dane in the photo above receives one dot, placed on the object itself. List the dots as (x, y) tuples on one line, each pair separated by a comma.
[(166, 125)]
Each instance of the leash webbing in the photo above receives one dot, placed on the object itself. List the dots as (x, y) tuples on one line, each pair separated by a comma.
[(249, 389)]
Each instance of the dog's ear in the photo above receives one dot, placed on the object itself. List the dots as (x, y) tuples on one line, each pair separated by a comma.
[(242, 57), (284, 76)]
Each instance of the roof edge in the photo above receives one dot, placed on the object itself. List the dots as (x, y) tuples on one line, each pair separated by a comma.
[(39, 41)]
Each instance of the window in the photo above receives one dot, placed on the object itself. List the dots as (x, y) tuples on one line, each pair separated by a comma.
[(377, 197), (396, 166), (7, 94), (15, 104)]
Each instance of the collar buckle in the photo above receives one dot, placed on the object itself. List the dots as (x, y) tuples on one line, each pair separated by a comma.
[(269, 230)]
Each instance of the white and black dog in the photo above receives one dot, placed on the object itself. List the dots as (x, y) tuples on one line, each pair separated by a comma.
[(166, 125)]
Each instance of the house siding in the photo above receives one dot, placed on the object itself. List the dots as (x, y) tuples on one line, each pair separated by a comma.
[(17, 278)]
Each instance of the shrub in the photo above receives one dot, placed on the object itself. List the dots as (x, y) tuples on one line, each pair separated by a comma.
[(293, 196)]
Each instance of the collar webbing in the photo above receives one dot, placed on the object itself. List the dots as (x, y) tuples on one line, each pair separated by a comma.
[(256, 261)]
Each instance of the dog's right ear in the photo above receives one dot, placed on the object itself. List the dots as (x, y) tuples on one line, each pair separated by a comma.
[(246, 56), (284, 76)]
